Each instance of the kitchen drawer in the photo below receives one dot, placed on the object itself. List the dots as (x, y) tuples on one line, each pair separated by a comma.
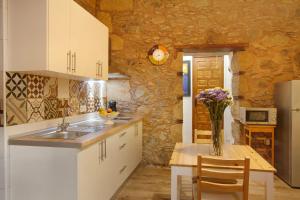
[(125, 135)]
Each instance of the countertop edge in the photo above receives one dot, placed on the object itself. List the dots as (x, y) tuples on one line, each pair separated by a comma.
[(80, 145)]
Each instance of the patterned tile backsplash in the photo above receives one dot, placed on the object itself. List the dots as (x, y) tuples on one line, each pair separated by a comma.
[(33, 98)]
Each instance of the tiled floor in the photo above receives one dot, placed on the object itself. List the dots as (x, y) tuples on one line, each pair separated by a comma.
[(150, 183)]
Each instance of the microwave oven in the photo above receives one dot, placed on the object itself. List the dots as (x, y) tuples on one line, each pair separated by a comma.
[(260, 116)]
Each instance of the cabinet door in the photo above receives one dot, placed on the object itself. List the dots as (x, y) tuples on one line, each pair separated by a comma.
[(89, 173), (82, 41), (58, 35), (102, 50), (109, 181), (137, 145)]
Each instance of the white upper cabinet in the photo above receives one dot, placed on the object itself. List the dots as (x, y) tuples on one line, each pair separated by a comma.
[(89, 42), (59, 36), (56, 37)]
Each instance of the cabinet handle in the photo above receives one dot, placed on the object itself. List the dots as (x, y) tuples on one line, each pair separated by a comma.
[(100, 66), (97, 69), (104, 148), (122, 146), (75, 62), (136, 130), (100, 152), (68, 61), (123, 169), (122, 134)]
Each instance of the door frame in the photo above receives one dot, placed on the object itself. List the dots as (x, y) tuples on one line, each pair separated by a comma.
[(194, 94)]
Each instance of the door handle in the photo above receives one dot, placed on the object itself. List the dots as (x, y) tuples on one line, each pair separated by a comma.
[(296, 109)]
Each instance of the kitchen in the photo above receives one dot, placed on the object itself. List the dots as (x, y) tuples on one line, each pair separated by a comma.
[(55, 67)]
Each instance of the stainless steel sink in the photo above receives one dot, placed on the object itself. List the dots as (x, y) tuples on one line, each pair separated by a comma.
[(67, 135), (73, 131)]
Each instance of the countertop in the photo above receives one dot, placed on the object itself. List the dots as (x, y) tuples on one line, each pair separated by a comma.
[(31, 139)]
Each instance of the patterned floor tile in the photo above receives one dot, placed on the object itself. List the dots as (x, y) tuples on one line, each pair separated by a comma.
[(50, 87), (35, 86), (74, 106), (74, 88), (90, 104), (51, 108), (15, 111), (16, 85), (35, 110)]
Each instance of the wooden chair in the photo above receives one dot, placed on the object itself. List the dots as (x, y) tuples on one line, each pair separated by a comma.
[(202, 136), (224, 179)]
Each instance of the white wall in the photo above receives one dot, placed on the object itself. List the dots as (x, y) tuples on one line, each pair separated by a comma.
[(187, 128), (228, 138), (3, 40)]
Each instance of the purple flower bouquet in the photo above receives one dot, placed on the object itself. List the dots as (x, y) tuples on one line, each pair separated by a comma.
[(216, 100)]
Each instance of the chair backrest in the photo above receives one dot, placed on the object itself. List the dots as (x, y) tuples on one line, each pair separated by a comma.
[(212, 169), (202, 136)]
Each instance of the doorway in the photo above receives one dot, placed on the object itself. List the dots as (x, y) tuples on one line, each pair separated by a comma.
[(207, 70)]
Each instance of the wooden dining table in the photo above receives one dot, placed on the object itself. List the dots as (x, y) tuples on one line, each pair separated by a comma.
[(184, 162)]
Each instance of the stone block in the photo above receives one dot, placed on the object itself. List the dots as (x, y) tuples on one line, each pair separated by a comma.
[(116, 5), (117, 43)]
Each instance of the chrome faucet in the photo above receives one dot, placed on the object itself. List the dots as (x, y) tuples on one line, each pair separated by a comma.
[(64, 126)]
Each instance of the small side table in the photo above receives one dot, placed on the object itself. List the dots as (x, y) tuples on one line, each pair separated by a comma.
[(261, 139)]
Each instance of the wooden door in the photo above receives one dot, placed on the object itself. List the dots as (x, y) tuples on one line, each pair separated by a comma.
[(207, 73), (59, 35)]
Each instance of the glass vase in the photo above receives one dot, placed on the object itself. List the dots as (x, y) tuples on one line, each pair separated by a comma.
[(216, 146)]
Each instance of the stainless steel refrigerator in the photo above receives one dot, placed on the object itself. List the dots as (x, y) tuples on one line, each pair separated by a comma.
[(287, 136)]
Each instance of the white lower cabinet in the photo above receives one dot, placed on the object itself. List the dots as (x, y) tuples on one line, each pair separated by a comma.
[(95, 173)]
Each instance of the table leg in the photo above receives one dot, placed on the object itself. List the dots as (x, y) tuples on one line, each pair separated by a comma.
[(269, 186), (176, 173), (175, 184)]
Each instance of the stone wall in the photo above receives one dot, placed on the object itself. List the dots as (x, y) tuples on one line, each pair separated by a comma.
[(271, 27)]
